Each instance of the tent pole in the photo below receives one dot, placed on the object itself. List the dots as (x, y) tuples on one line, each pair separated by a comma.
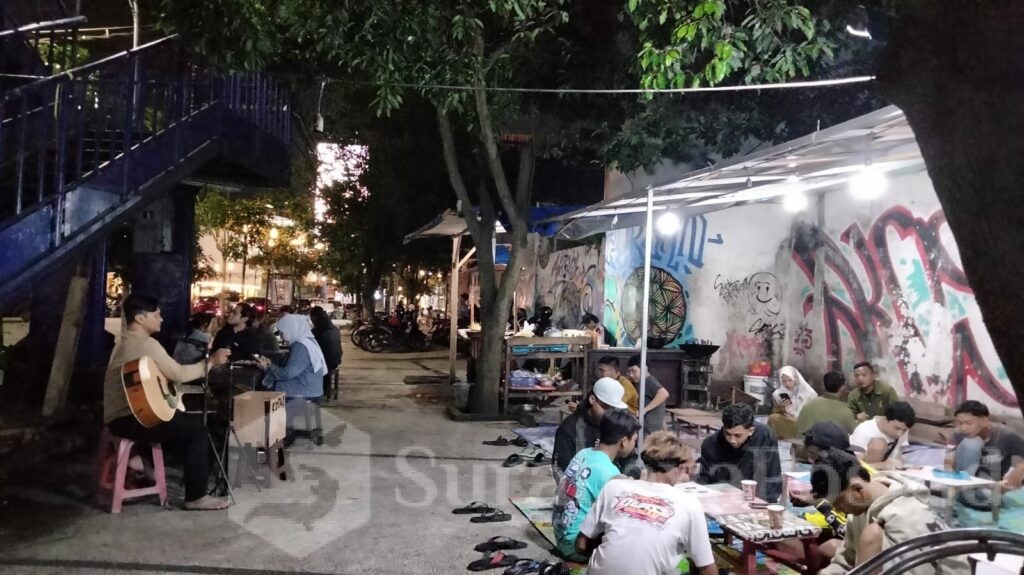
[(453, 308), (645, 319)]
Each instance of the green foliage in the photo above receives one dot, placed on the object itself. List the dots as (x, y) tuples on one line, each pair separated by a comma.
[(691, 43), (397, 185)]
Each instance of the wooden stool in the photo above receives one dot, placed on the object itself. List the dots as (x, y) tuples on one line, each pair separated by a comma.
[(112, 457)]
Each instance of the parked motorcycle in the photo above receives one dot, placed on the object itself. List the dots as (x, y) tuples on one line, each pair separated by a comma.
[(406, 336)]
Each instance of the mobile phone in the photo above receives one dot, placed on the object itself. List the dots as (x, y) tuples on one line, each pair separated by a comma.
[(759, 504), (785, 396)]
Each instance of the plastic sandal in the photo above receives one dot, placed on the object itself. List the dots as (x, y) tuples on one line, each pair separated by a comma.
[(500, 442), (523, 567), (539, 460), (473, 508), (499, 543), (491, 516), (512, 460), (520, 442), (493, 561)]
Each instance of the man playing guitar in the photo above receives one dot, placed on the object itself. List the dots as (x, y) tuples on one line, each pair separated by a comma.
[(184, 432)]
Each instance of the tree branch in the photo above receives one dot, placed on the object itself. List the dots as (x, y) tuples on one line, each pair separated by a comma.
[(451, 163), (487, 136)]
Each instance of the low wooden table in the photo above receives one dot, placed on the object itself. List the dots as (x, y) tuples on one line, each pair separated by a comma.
[(696, 419), (725, 504)]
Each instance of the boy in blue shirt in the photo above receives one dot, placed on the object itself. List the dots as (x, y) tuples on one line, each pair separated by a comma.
[(588, 472)]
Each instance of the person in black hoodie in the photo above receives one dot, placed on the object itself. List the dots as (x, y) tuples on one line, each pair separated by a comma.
[(329, 338), (581, 429), (742, 449)]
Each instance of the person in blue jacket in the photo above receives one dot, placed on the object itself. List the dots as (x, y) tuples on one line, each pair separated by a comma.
[(300, 374)]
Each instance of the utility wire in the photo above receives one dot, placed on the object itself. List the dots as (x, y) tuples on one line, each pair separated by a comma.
[(740, 88)]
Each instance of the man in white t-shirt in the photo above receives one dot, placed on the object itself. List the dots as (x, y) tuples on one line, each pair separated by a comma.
[(882, 436), (647, 526)]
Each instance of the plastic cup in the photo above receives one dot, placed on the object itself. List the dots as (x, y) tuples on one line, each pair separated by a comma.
[(775, 516), (749, 489)]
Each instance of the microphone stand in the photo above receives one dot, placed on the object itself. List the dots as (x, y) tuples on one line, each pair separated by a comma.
[(222, 476)]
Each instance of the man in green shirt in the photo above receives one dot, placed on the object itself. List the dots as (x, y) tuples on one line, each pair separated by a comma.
[(826, 407), (871, 397)]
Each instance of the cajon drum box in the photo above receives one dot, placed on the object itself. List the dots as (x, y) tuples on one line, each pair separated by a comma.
[(259, 418)]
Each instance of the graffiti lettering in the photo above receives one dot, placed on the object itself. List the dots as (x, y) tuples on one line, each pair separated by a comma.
[(880, 315), (730, 290), (803, 339), (767, 330)]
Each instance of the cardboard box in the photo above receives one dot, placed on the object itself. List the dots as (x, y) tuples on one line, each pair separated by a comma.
[(259, 418)]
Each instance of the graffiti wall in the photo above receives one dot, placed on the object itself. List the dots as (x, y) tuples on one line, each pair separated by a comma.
[(893, 291), (843, 282), (571, 282)]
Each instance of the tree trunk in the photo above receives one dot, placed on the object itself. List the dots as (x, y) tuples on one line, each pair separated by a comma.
[(369, 287), (955, 70)]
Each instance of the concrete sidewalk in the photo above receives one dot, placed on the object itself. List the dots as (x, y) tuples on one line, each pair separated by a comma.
[(375, 499)]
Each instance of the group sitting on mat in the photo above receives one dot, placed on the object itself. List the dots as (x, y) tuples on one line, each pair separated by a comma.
[(604, 515)]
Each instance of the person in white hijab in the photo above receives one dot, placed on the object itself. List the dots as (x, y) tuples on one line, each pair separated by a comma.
[(301, 372), (789, 399)]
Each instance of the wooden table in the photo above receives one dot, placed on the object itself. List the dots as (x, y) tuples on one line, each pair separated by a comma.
[(725, 504), (696, 419)]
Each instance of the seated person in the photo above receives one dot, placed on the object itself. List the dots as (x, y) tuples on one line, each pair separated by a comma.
[(988, 450), (238, 335), (581, 428), (655, 396), (301, 372), (888, 510), (827, 407), (790, 398), (185, 432), (881, 437), (608, 366), (647, 526), (871, 396), (592, 326), (587, 473), (819, 441), (742, 449), (192, 348), (266, 341)]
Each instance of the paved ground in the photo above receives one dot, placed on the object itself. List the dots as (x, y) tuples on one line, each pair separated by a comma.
[(376, 499)]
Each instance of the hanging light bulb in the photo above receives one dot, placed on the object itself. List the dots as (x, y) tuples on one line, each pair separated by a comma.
[(794, 199), (667, 224), (869, 183)]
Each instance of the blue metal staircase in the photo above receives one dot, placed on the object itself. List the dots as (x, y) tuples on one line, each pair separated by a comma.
[(81, 150)]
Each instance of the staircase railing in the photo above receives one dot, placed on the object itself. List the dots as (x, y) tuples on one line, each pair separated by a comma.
[(94, 123)]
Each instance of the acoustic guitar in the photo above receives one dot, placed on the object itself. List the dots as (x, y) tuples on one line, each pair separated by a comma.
[(152, 397)]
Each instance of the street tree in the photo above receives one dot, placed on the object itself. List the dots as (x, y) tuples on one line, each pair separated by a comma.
[(235, 224)]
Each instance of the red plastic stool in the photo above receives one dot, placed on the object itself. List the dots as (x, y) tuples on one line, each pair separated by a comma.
[(111, 472)]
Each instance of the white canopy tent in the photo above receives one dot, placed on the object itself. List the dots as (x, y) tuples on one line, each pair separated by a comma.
[(822, 161), (856, 153)]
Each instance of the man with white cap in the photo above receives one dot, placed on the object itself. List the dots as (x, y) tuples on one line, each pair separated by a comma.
[(581, 429)]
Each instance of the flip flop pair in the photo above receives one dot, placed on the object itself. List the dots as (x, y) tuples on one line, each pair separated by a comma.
[(492, 515), (493, 561), (533, 567), (472, 509), (499, 543), (503, 442)]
